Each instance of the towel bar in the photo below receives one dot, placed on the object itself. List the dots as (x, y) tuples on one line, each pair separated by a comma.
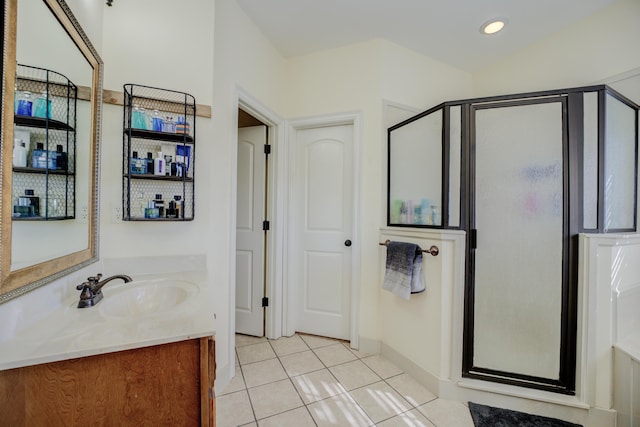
[(433, 250)]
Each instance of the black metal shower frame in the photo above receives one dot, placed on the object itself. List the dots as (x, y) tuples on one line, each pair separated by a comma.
[(573, 213)]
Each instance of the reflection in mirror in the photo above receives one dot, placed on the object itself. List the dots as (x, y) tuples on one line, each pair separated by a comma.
[(53, 84)]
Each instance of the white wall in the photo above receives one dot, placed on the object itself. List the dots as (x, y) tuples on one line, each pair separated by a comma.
[(358, 78), (165, 44), (596, 48), (243, 59), (89, 14), (132, 55)]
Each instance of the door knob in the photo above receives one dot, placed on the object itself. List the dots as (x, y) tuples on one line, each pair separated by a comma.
[(347, 242)]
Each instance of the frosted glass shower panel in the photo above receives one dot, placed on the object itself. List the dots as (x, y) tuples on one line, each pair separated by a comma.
[(455, 147), (590, 155), (519, 222), (620, 165), (415, 172)]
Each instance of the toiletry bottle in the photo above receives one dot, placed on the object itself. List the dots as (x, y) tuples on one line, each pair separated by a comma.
[(42, 106), (23, 208), (61, 159), (33, 201), (151, 211), (19, 153), (139, 118), (159, 203), (39, 157), (150, 164), (156, 121), (25, 104), (435, 215), (137, 165), (139, 204), (171, 210), (179, 206), (168, 164), (183, 153), (158, 165), (168, 125)]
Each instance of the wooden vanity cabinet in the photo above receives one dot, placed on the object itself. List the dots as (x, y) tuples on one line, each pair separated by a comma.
[(163, 385)]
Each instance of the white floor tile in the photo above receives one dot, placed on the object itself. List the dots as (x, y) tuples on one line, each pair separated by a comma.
[(317, 342), (301, 363), (380, 401), (317, 386), (354, 374), (275, 380), (242, 340), (340, 410), (359, 354), (233, 409), (260, 373), (255, 353), (412, 418), (381, 366), (334, 354), (447, 413), (236, 384), (296, 417), (414, 392), (274, 398), (289, 345)]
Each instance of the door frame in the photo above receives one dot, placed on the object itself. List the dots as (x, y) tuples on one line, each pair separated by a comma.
[(348, 118), (275, 210)]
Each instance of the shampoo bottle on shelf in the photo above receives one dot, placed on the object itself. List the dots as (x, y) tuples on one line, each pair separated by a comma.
[(33, 201), (179, 206), (42, 106), (138, 166), (61, 159), (150, 163), (159, 203), (159, 165), (19, 153), (39, 157)]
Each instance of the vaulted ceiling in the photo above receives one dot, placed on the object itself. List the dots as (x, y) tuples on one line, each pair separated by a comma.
[(446, 30)]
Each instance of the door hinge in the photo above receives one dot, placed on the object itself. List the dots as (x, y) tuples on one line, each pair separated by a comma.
[(265, 225), (473, 238), (267, 149), (265, 302)]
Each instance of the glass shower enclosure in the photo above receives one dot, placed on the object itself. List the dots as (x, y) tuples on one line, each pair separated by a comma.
[(523, 175)]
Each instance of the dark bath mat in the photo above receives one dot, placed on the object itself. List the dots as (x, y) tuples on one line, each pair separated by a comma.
[(488, 416)]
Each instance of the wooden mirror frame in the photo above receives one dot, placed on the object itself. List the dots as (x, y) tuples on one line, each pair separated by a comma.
[(18, 282)]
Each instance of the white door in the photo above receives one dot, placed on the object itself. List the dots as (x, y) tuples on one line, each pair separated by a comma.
[(249, 233), (321, 231)]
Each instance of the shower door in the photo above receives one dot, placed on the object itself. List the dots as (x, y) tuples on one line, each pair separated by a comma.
[(516, 323)]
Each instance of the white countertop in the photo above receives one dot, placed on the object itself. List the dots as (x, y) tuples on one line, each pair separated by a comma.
[(70, 332)]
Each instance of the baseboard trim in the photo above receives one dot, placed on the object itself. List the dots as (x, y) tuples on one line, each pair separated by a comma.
[(430, 381)]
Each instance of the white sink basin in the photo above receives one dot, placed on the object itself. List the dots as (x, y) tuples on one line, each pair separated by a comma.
[(139, 298)]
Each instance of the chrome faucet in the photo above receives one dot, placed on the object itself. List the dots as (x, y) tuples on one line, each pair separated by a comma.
[(91, 289)]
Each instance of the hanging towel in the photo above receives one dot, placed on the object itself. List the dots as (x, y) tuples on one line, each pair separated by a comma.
[(403, 275)]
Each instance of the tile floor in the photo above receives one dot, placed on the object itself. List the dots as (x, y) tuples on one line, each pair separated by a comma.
[(307, 380)]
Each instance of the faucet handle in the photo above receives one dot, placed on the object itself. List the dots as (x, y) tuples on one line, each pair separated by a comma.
[(94, 279)]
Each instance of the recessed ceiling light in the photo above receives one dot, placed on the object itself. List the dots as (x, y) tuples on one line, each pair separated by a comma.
[(493, 26)]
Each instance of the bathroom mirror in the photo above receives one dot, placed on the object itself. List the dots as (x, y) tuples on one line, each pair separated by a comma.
[(45, 34)]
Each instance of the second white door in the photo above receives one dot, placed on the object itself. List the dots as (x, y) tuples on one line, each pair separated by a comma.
[(250, 235), (322, 231)]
